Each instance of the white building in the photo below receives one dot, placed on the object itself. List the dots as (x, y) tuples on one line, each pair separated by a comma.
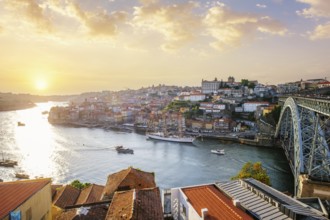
[(209, 87), (252, 106), (196, 97)]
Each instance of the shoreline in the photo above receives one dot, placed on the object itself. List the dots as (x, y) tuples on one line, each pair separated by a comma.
[(222, 137)]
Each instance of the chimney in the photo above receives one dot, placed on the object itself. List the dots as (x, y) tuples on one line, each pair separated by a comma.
[(236, 203), (204, 212)]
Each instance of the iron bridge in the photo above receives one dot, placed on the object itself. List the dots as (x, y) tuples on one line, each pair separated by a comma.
[(304, 133)]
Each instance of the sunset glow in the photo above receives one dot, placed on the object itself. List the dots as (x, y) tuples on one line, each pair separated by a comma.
[(113, 45), (41, 84)]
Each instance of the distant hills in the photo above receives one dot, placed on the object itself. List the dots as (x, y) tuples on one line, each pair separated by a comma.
[(10, 101)]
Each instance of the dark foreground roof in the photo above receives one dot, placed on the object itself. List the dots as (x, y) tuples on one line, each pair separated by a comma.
[(246, 192)]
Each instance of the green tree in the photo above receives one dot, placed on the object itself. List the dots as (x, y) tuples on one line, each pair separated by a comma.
[(79, 185), (251, 85), (255, 171), (245, 82), (273, 116)]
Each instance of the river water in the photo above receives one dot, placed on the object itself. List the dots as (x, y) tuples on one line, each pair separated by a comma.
[(65, 154)]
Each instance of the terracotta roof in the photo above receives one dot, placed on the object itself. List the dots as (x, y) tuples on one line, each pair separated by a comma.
[(148, 205), (218, 205), (66, 196), (14, 194), (127, 179), (95, 212), (90, 194), (121, 206), (143, 204)]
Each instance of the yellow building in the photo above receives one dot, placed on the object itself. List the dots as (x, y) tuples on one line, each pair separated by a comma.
[(29, 199)]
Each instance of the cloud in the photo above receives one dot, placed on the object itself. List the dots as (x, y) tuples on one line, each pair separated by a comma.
[(229, 28), (321, 32), (318, 8), (176, 23), (31, 12), (261, 6), (99, 22)]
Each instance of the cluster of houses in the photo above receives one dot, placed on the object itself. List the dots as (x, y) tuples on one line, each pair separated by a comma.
[(132, 194), (217, 101)]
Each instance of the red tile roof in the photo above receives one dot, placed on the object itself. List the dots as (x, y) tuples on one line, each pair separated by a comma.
[(136, 204), (90, 194), (66, 196), (121, 206), (14, 194), (218, 205), (148, 205), (127, 179)]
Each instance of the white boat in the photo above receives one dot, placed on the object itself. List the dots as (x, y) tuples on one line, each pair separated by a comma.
[(218, 151), (160, 136)]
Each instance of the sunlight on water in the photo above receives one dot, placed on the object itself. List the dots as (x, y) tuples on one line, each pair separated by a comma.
[(35, 142)]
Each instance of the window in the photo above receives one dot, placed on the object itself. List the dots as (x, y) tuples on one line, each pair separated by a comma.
[(28, 214)]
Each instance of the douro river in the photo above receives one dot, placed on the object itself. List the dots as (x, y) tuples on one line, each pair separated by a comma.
[(66, 154)]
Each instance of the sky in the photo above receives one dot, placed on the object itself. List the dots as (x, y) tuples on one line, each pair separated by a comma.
[(57, 47)]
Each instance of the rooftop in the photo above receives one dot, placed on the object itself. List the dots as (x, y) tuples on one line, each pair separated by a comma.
[(217, 204), (90, 194), (136, 204), (127, 179), (14, 194), (66, 196)]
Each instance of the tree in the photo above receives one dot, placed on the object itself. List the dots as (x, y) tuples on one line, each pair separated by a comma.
[(79, 185), (254, 171), (273, 116), (251, 85), (245, 82)]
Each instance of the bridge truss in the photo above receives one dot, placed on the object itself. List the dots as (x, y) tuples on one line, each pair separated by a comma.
[(304, 134)]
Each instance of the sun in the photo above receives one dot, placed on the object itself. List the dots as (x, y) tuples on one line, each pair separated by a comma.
[(41, 84)]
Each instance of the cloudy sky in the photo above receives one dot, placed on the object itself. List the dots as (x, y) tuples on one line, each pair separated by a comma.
[(74, 46)]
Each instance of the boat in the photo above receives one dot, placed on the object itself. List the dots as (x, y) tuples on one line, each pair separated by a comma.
[(218, 151), (165, 136), (172, 138), (7, 163), (122, 150), (20, 124), (22, 176)]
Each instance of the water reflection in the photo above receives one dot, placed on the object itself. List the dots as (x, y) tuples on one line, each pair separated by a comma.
[(66, 154)]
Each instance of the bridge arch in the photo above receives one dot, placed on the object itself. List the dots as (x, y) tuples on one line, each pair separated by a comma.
[(301, 135)]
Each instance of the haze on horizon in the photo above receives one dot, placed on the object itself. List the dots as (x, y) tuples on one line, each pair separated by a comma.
[(68, 46)]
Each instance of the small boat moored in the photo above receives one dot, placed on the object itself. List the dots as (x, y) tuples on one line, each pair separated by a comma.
[(20, 124), (22, 176), (122, 150), (218, 151), (7, 162)]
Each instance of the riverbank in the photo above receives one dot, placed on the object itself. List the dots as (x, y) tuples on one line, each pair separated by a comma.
[(230, 137), (15, 105)]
